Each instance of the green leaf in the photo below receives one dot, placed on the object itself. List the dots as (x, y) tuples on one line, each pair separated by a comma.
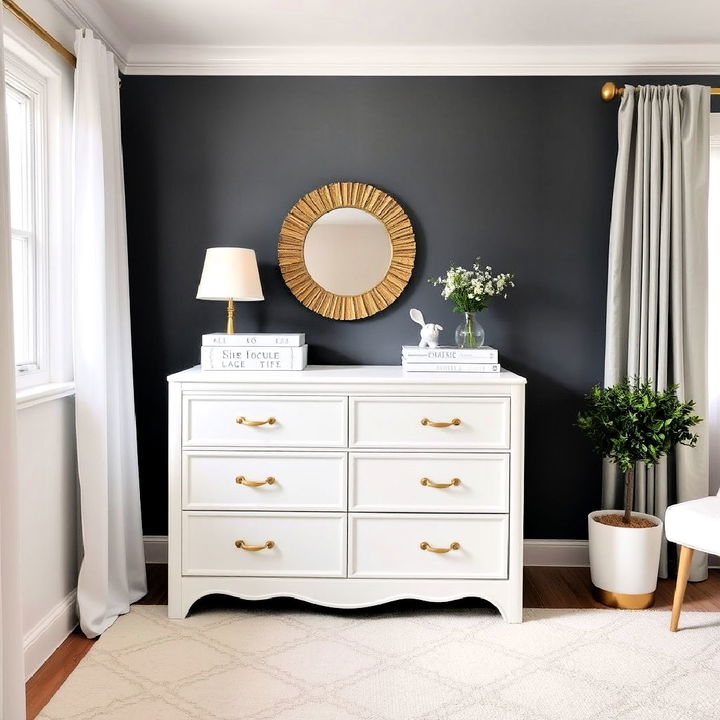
[(631, 422)]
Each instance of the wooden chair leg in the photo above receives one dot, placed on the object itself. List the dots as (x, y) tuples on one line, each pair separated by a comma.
[(686, 555)]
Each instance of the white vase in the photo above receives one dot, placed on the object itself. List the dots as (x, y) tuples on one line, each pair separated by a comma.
[(624, 561)]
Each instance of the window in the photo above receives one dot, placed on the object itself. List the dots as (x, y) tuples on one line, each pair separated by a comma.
[(26, 103), (39, 100)]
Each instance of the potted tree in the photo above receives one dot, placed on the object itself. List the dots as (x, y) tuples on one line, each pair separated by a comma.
[(630, 423)]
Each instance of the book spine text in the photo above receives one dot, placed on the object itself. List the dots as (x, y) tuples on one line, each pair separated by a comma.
[(436, 356), (238, 358), (452, 367), (258, 340)]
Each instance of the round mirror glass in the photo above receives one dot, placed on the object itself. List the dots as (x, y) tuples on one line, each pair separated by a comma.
[(347, 251)]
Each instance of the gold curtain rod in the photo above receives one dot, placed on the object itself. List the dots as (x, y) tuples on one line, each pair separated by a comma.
[(609, 91), (40, 31)]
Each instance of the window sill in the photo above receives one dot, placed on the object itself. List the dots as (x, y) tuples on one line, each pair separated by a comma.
[(43, 393)]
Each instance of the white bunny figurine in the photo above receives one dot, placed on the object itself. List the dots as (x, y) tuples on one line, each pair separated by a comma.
[(430, 331)]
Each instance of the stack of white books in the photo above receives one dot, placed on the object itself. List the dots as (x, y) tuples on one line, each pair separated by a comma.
[(258, 351), (483, 359)]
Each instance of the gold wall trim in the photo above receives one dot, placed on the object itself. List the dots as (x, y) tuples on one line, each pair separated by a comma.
[(14, 9), (291, 256)]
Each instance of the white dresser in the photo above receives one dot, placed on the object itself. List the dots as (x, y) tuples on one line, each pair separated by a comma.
[(346, 486)]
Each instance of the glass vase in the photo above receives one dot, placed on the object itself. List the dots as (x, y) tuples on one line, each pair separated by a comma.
[(470, 333)]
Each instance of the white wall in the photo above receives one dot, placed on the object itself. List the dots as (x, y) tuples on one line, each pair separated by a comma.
[(49, 526), (46, 427)]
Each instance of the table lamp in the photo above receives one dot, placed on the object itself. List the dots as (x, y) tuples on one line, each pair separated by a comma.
[(230, 274)]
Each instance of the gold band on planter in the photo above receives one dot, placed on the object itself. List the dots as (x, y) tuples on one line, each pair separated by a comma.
[(624, 601)]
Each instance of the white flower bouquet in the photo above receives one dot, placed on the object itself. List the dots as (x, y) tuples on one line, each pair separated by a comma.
[(471, 290)]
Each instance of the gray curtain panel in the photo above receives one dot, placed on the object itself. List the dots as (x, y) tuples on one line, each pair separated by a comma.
[(657, 278)]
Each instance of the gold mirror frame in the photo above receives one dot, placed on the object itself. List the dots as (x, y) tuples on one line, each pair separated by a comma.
[(314, 205)]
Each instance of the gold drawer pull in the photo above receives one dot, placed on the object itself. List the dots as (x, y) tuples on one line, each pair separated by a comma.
[(242, 480), (427, 546), (242, 420), (427, 482), (269, 545), (431, 423)]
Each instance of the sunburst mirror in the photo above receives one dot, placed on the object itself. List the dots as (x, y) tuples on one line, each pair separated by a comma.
[(346, 250)]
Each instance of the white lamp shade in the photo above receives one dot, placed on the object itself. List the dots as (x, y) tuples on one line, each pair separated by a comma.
[(230, 273)]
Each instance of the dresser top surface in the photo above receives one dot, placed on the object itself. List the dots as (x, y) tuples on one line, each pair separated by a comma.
[(350, 374)]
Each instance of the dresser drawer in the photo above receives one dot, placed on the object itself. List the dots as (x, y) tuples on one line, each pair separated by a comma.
[(300, 544), (429, 482), (432, 422), (395, 545), (255, 421), (264, 481)]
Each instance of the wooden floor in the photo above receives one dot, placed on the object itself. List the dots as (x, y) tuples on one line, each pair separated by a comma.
[(544, 587), (46, 681)]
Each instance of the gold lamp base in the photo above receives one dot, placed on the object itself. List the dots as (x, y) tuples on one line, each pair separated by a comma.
[(230, 317), (624, 601)]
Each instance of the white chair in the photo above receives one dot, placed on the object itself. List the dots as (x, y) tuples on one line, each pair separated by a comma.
[(694, 525)]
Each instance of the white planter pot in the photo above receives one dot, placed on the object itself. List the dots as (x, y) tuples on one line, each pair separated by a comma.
[(624, 562)]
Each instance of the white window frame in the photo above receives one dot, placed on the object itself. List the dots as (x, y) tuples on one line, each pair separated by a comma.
[(27, 81), (35, 62)]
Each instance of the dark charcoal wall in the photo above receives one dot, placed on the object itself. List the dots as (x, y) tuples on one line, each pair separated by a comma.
[(518, 170)]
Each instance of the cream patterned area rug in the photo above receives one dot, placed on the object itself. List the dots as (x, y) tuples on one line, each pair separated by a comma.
[(418, 663)]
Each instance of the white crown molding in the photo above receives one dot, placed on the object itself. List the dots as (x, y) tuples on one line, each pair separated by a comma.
[(88, 14), (576, 60)]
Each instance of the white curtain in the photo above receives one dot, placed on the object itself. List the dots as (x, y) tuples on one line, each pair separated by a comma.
[(12, 682), (657, 306), (112, 573)]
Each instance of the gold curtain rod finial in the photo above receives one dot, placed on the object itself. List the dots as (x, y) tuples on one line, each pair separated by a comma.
[(610, 91)]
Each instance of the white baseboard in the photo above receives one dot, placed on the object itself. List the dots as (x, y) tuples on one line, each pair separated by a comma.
[(156, 549), (556, 553), (537, 553), (42, 641)]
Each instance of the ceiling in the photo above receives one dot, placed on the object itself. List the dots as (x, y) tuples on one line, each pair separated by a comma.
[(412, 36)]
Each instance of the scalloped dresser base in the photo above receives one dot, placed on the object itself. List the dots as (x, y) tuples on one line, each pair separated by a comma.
[(351, 594), (346, 486)]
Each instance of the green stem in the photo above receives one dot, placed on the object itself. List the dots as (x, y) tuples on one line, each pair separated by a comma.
[(469, 334)]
